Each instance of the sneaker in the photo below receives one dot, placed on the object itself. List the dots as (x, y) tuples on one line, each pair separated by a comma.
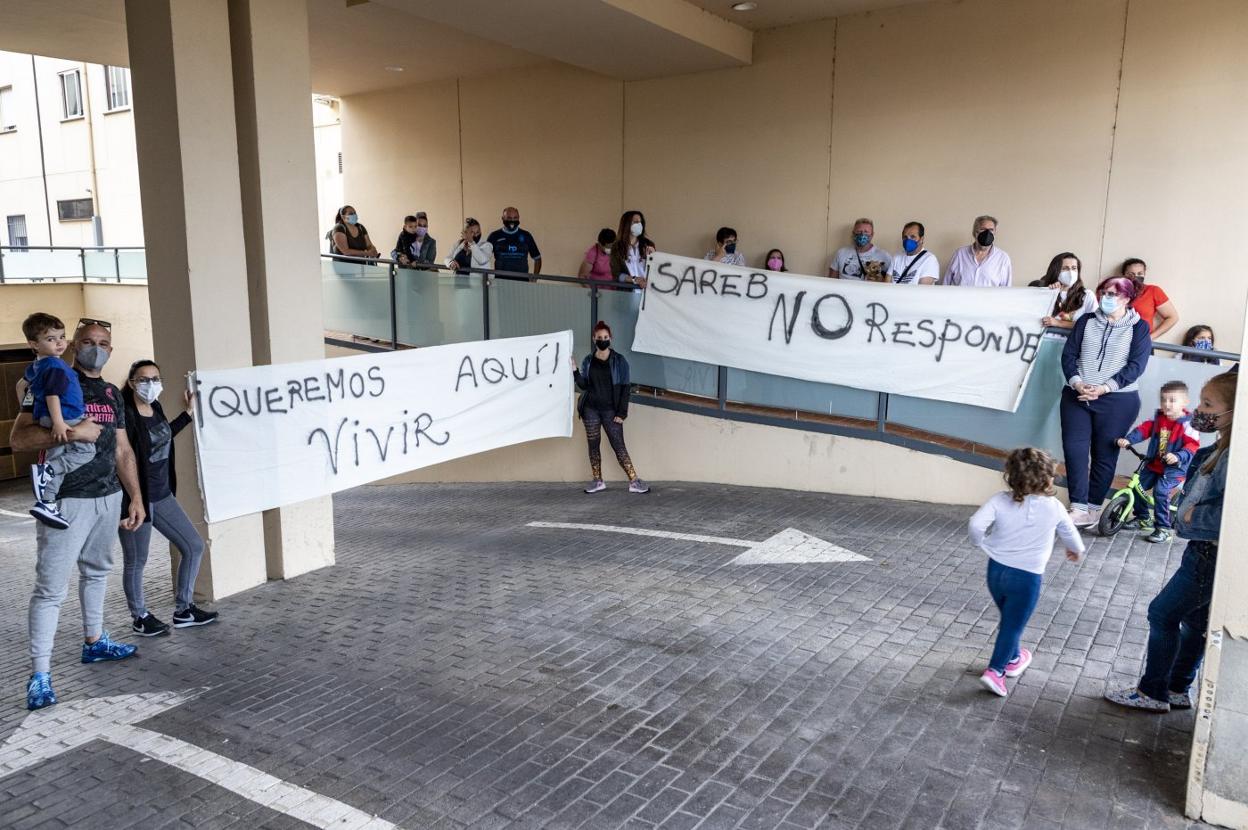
[(993, 682), (1146, 526), (48, 513), (39, 691), (40, 477), (1130, 524), (1180, 700), (1019, 665), (1135, 699), (1094, 516), (596, 486), (1081, 518), (105, 649), (193, 616), (1158, 535), (149, 626), (638, 486)]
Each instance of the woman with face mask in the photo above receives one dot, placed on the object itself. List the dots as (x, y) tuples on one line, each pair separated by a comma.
[(1073, 299), (151, 434), (1199, 337), (1179, 615), (603, 380), (726, 248), (628, 254), (471, 251), (350, 238), (1102, 360), (775, 260)]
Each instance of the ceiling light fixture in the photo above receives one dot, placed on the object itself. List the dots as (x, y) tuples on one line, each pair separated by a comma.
[(744, 7), (393, 68)]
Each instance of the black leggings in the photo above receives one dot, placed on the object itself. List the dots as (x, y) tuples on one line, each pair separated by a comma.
[(597, 420)]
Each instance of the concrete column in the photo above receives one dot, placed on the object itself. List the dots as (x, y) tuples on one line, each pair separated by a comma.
[(220, 139), (1217, 786), (273, 108)]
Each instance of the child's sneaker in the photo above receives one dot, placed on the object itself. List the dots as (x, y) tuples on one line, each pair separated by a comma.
[(596, 486), (1180, 700), (48, 513), (1135, 699), (39, 691), (105, 649), (994, 682), (1146, 526), (193, 616), (1018, 665), (1158, 535), (40, 478)]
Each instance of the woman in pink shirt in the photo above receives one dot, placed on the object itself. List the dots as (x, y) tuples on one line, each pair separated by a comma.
[(597, 264)]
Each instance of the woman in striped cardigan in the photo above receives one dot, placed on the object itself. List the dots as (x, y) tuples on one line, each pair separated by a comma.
[(1104, 357)]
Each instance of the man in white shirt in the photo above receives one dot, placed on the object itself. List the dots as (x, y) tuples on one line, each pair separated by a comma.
[(915, 265), (853, 262), (981, 263)]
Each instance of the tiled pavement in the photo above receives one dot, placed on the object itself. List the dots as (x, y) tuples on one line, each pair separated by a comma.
[(457, 669)]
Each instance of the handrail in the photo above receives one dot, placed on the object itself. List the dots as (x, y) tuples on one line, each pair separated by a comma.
[(81, 251)]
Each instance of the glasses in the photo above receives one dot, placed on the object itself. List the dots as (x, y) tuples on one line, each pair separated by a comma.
[(87, 321), (1110, 294)]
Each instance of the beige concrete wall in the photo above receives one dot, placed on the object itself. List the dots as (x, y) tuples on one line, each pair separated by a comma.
[(933, 111), (675, 446)]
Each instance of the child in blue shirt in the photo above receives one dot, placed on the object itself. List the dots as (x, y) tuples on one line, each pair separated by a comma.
[(58, 405)]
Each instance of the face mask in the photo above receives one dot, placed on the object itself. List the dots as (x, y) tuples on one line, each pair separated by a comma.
[(148, 390), (911, 245), (985, 238), (511, 225), (775, 263), (351, 218), (92, 358), (1207, 422), (476, 237), (1203, 345), (861, 239), (1067, 278), (421, 232), (730, 248), (636, 228), (1109, 304), (606, 249), (602, 345)]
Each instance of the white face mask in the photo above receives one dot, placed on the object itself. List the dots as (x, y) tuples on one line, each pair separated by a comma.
[(636, 228), (148, 391), (1067, 278)]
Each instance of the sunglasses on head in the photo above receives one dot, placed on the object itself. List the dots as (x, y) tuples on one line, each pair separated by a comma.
[(87, 321)]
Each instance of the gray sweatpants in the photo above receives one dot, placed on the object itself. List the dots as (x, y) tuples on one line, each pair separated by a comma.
[(63, 459), (88, 541), (171, 520)]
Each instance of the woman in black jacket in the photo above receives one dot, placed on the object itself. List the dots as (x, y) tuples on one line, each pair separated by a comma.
[(151, 434), (603, 379)]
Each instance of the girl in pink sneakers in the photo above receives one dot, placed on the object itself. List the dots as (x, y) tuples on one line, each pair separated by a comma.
[(1015, 528)]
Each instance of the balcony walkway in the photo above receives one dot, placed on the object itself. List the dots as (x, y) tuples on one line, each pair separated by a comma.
[(458, 668)]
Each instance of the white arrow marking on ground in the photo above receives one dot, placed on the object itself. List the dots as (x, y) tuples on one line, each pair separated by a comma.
[(25, 516), (51, 732), (789, 545)]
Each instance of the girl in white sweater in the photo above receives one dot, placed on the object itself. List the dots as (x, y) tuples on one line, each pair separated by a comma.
[(1015, 528)]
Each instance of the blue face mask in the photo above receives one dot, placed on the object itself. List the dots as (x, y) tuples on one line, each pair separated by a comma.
[(351, 218), (1203, 345), (1109, 304), (861, 239), (911, 245)]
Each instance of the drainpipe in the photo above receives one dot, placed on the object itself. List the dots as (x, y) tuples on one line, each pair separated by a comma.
[(95, 181), (43, 167)]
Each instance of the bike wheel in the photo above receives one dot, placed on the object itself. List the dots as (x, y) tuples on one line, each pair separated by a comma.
[(1115, 514)]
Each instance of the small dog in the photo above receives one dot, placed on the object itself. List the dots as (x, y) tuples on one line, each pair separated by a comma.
[(876, 271)]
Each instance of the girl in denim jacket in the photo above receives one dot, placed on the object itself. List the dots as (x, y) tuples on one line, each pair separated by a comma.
[(1179, 615)]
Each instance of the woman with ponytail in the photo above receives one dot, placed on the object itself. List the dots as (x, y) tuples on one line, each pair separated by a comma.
[(1179, 615), (603, 380)]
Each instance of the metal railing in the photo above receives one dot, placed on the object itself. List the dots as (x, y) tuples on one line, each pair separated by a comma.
[(59, 263)]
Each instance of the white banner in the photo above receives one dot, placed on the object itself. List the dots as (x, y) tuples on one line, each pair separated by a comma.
[(272, 435), (969, 345)]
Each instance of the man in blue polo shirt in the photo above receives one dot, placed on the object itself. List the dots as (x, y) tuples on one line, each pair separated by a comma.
[(514, 246)]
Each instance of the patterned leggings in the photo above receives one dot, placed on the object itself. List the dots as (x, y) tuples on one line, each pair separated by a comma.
[(596, 421)]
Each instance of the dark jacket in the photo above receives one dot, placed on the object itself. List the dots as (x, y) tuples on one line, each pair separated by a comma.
[(1206, 520), (619, 380), (428, 249), (141, 443)]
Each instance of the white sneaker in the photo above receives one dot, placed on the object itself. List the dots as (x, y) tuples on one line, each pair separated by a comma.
[(1081, 518)]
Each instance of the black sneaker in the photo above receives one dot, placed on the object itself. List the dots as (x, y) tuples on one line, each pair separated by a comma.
[(193, 616), (149, 626)]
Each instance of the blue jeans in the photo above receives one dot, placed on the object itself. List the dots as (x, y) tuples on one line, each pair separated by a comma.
[(1163, 486), (1177, 619), (1091, 429), (1015, 592)]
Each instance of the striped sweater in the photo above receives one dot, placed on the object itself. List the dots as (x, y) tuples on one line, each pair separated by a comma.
[(1102, 351)]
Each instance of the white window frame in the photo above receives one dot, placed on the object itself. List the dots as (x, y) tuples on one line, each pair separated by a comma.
[(77, 96), (117, 84), (9, 222), (8, 123)]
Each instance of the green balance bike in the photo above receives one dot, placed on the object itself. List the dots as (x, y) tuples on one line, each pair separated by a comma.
[(1121, 508)]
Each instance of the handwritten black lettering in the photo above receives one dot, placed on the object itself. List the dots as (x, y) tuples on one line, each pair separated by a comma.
[(469, 372), (664, 270), (976, 334), (382, 449), (760, 281), (312, 389), (499, 373), (1015, 341), (816, 322), (1031, 348), (728, 285), (945, 337), (331, 385), (355, 385), (294, 389), (374, 374), (992, 341), (259, 406), (875, 322), (515, 373), (707, 282), (423, 421), (901, 331), (786, 321), (331, 448), (925, 326), (223, 401), (273, 400), (690, 276)]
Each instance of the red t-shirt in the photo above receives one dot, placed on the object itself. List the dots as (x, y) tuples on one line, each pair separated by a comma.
[(1146, 303)]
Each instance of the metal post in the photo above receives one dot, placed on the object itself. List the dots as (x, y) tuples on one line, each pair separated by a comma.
[(881, 410), (1, 266), (394, 312), (593, 306), (485, 304), (117, 261), (82, 255), (722, 385)]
